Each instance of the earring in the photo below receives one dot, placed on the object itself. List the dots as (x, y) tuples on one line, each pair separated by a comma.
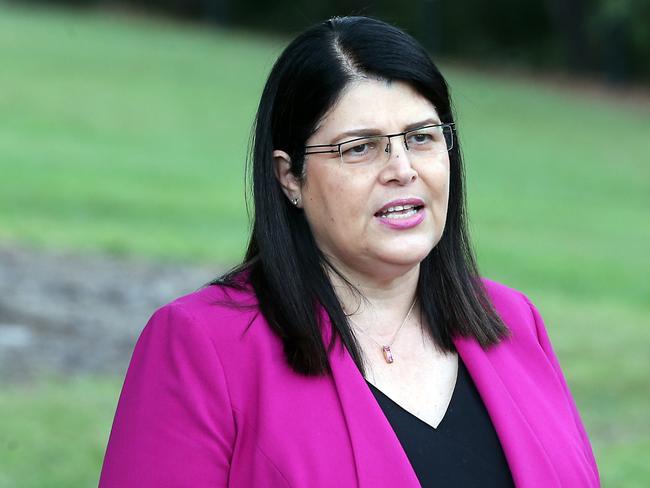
[(295, 201)]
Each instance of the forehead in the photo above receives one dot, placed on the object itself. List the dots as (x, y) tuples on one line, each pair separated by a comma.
[(369, 103)]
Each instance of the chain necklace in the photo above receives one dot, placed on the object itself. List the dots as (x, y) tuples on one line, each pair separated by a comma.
[(385, 348)]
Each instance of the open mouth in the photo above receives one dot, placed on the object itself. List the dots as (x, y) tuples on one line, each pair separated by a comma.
[(399, 211)]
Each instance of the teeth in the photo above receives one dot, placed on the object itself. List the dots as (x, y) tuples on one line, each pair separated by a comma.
[(399, 208), (404, 215)]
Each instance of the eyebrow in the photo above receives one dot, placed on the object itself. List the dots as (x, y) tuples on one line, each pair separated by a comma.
[(376, 132)]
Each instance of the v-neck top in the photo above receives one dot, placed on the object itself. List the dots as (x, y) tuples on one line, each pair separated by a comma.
[(463, 450)]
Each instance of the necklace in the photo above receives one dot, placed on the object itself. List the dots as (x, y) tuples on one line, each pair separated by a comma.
[(385, 348)]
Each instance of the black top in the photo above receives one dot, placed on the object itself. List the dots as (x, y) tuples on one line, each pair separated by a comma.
[(463, 450)]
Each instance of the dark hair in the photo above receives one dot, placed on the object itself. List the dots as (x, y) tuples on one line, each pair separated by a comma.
[(283, 264)]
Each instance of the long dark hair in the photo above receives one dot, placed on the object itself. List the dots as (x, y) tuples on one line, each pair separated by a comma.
[(283, 265)]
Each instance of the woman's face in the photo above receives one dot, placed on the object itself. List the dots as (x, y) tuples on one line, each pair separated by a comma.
[(345, 204)]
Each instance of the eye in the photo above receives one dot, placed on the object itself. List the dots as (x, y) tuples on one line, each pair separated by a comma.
[(420, 138), (358, 149)]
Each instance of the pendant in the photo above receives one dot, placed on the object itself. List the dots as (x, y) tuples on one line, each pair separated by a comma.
[(388, 354)]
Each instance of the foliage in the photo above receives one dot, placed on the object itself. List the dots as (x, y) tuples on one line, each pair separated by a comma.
[(609, 37)]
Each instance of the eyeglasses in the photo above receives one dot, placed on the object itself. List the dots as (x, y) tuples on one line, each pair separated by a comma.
[(422, 142)]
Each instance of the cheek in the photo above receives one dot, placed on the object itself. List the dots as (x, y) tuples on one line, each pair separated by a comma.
[(437, 179), (336, 201), (444, 196), (445, 188), (322, 195)]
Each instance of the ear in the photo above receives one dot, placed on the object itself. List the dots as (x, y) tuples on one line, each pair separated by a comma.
[(291, 186)]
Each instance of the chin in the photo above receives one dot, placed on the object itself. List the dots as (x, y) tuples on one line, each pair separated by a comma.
[(404, 257)]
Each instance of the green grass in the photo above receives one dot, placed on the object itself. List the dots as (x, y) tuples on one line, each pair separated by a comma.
[(53, 434), (128, 136)]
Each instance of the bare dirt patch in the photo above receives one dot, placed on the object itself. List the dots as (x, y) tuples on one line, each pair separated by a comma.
[(64, 314)]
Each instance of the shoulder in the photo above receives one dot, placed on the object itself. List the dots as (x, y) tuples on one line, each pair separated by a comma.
[(515, 309), (216, 302), (216, 311), (530, 369), (504, 298), (227, 319), (221, 331)]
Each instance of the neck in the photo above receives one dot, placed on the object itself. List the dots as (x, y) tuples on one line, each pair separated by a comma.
[(384, 301)]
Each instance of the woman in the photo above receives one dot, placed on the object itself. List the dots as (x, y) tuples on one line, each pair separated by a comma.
[(356, 345)]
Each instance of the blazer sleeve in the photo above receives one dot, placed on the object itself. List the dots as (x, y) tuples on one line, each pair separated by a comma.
[(545, 342), (174, 425)]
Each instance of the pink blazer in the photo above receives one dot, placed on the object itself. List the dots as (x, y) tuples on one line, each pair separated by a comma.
[(210, 402)]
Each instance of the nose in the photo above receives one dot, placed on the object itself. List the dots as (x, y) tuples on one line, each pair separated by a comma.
[(398, 166)]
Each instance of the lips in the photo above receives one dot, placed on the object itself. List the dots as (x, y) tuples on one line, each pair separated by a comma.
[(399, 207), (401, 215)]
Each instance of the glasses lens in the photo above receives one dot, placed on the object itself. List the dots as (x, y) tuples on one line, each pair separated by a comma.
[(448, 132), (362, 150), (430, 140)]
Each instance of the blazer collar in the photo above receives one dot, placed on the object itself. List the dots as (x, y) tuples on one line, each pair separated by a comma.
[(527, 458), (379, 457)]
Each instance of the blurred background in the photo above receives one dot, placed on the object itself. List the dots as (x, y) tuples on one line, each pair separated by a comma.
[(124, 128)]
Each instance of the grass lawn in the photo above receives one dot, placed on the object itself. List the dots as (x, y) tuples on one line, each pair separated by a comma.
[(53, 434), (128, 136)]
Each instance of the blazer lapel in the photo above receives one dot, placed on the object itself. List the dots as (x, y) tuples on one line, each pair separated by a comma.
[(379, 457), (527, 458)]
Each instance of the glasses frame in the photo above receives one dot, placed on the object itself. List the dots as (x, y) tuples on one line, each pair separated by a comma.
[(336, 148)]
